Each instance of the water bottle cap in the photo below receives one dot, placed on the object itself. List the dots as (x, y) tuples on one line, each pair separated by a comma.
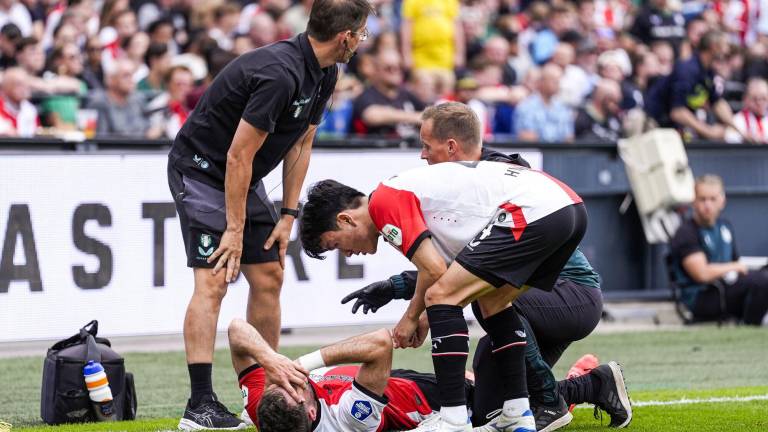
[(92, 368)]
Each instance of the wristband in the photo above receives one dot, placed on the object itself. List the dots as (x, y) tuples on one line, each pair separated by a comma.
[(289, 211), (311, 361), (399, 290)]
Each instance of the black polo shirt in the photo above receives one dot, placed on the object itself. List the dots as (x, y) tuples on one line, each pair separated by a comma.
[(279, 88)]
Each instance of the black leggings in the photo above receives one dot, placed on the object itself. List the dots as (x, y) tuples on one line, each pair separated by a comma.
[(746, 299), (553, 320)]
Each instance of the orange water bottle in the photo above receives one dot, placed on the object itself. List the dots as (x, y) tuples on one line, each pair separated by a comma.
[(99, 391)]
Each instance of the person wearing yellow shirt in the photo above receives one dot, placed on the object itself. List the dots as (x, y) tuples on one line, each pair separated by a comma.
[(433, 40)]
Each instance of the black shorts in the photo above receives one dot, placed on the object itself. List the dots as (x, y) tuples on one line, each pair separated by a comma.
[(535, 259), (203, 220)]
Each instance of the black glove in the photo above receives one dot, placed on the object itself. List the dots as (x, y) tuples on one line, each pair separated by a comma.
[(372, 297)]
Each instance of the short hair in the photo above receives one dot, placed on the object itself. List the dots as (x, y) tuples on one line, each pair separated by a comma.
[(172, 70), (156, 24), (455, 120), (325, 200), (11, 32), (709, 179), (26, 42), (225, 9), (276, 415), (330, 17), (154, 50), (710, 38)]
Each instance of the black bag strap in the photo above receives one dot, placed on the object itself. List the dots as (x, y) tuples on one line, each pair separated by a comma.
[(79, 338), (93, 352)]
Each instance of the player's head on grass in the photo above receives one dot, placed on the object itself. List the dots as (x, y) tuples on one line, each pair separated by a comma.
[(335, 216), (278, 412), (339, 24)]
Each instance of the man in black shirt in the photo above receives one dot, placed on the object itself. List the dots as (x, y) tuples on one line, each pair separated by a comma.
[(704, 254), (263, 108), (598, 119), (385, 107), (690, 93), (657, 22)]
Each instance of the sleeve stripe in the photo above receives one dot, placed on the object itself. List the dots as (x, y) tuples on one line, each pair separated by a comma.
[(248, 370), (380, 399), (416, 243)]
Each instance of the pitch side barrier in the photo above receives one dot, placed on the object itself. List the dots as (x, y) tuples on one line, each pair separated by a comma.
[(91, 226)]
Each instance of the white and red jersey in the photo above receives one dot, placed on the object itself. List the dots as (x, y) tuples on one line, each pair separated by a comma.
[(453, 201), (345, 406), (750, 125)]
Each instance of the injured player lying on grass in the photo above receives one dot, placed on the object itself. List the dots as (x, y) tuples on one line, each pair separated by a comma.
[(313, 393)]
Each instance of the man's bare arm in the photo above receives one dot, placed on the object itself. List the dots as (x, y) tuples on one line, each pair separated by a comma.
[(702, 271), (378, 115), (373, 350), (246, 342)]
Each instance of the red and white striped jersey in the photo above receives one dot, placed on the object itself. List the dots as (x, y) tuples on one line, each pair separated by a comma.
[(453, 201), (345, 406)]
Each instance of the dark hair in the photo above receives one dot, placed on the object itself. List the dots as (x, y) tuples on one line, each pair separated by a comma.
[(26, 42), (154, 50), (275, 415), (11, 32), (330, 17), (162, 21), (325, 200)]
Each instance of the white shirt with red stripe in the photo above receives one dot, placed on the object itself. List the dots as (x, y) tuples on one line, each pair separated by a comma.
[(750, 125), (454, 201), (18, 120), (345, 406)]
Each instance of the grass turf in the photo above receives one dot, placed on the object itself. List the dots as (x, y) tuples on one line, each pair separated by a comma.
[(694, 363)]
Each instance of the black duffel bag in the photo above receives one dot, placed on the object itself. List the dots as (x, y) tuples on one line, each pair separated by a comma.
[(64, 397)]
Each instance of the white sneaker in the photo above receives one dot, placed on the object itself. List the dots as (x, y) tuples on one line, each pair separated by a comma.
[(435, 423), (502, 423), (246, 418)]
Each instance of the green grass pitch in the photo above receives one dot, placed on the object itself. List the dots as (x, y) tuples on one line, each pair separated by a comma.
[(696, 379)]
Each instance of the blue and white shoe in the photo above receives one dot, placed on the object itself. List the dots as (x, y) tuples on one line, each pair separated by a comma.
[(502, 423)]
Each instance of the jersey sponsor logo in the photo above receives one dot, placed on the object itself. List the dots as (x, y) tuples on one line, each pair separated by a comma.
[(392, 234), (202, 163), (361, 410), (298, 105), (206, 245)]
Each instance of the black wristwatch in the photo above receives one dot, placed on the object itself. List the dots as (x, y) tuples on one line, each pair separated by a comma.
[(289, 211)]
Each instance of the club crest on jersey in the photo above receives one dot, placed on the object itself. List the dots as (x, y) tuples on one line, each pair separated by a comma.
[(392, 234), (361, 410), (205, 249)]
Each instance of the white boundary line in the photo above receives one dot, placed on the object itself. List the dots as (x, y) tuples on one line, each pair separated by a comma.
[(686, 401)]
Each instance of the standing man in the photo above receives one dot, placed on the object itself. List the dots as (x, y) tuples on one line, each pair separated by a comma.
[(263, 108)]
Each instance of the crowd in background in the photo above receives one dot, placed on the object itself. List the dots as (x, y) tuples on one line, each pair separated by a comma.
[(532, 70)]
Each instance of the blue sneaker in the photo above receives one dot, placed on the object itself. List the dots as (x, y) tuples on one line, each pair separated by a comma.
[(502, 423)]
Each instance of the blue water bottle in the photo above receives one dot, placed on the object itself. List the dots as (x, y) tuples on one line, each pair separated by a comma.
[(99, 391)]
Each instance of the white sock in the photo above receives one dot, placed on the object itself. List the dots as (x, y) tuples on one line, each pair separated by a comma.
[(515, 407), (455, 414)]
